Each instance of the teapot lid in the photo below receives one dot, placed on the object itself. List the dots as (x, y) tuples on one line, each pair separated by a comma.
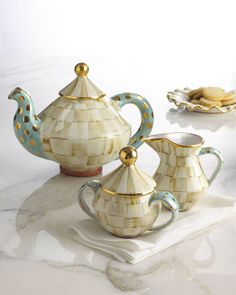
[(127, 179), (81, 86)]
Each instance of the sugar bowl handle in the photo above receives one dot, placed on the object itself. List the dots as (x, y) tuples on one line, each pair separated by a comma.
[(170, 201), (146, 114), (220, 161), (94, 185)]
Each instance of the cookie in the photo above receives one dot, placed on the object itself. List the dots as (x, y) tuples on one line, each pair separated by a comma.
[(194, 91), (213, 93), (209, 103), (229, 96), (195, 101), (197, 95), (228, 102)]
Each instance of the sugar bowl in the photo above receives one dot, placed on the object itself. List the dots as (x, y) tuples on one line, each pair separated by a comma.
[(127, 202)]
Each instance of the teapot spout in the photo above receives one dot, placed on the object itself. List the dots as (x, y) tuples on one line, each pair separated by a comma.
[(26, 123)]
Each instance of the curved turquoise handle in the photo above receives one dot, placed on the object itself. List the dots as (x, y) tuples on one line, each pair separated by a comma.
[(94, 185), (146, 113), (170, 201), (220, 161)]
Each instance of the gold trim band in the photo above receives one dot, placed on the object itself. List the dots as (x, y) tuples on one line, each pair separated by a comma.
[(82, 98), (153, 138), (122, 194)]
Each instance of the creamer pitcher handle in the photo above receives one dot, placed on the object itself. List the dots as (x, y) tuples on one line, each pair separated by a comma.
[(171, 202), (220, 161), (94, 185), (146, 115)]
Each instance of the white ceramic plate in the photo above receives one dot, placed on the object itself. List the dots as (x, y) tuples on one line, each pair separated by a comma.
[(181, 99)]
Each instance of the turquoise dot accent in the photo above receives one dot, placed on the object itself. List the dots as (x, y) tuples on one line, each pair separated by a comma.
[(26, 123)]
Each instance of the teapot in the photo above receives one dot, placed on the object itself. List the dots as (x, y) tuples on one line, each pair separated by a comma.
[(127, 201), (80, 130)]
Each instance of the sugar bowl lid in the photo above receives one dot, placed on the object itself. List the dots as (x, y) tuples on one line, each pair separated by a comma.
[(81, 86), (127, 179)]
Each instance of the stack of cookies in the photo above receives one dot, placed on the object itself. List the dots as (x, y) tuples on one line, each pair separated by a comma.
[(212, 96)]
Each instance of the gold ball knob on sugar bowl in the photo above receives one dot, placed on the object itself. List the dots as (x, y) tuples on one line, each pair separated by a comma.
[(128, 155)]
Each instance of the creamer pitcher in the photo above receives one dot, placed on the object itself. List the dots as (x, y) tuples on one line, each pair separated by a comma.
[(180, 170)]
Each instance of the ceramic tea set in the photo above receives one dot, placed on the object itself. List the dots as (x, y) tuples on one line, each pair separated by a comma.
[(82, 131)]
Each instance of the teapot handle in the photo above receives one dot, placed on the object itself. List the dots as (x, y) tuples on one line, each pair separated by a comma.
[(170, 201), (94, 185), (220, 161), (146, 114)]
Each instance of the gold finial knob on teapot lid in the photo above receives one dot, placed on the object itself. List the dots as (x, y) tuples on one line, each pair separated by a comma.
[(81, 69), (128, 155), (81, 86)]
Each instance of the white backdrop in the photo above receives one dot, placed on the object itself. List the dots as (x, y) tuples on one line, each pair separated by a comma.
[(148, 47), (169, 36)]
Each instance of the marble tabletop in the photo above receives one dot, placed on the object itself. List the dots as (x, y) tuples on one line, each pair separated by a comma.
[(37, 204)]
